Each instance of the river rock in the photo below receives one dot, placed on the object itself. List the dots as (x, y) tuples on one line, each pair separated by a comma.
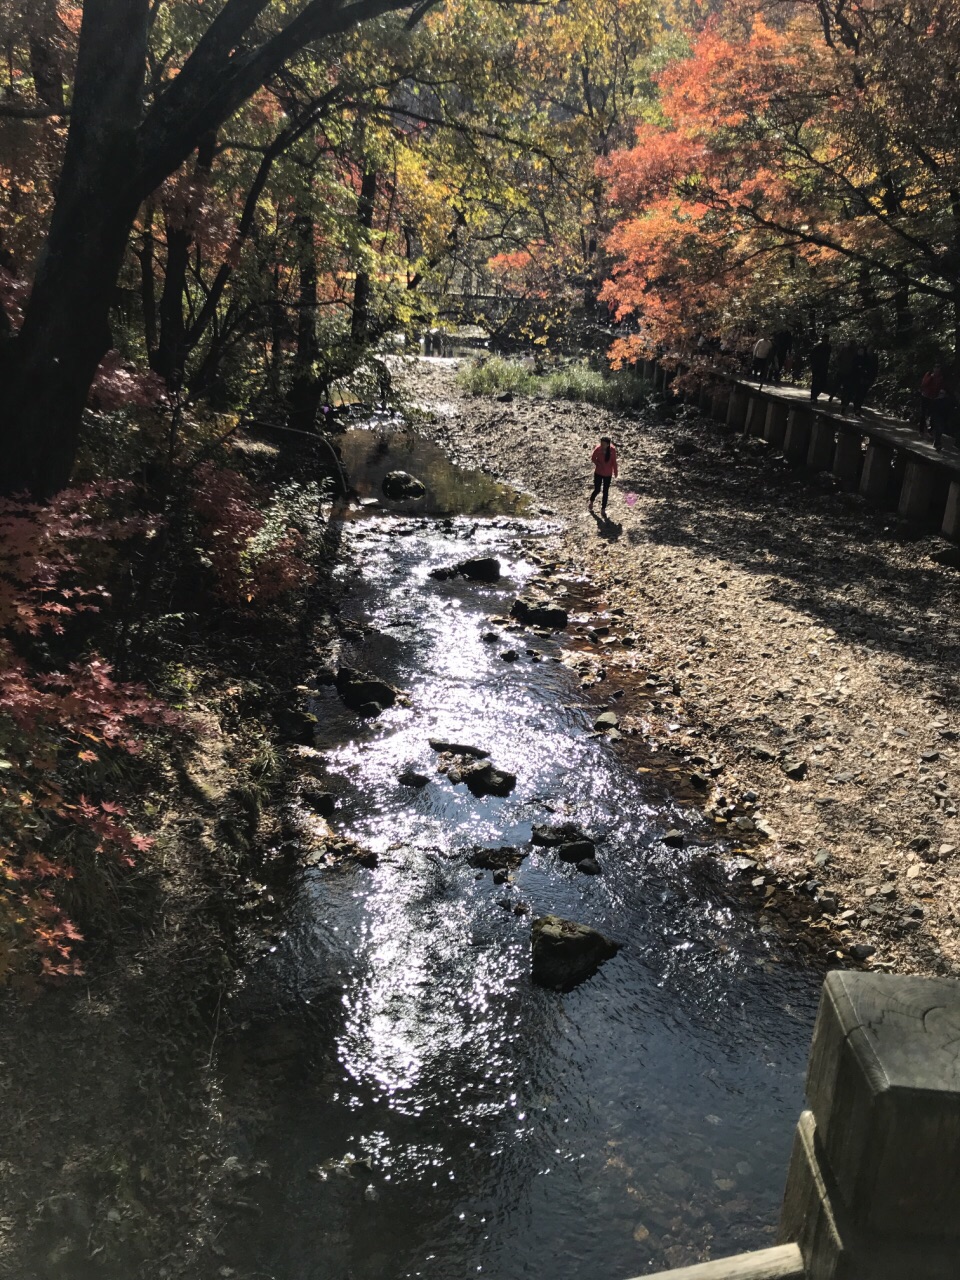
[(364, 694), (457, 749), (674, 839), (576, 850), (589, 867), (565, 953), (411, 778), (549, 834), (606, 720), (477, 569), (399, 485), (483, 779), (506, 858), (539, 613)]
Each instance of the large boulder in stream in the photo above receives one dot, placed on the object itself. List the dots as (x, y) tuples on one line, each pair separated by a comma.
[(565, 953), (539, 613), (362, 693), (477, 569), (401, 485)]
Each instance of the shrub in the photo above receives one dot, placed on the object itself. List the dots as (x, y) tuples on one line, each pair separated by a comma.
[(259, 549), (621, 389), (62, 728)]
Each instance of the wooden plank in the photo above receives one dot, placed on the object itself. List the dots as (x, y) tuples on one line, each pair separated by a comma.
[(782, 1263)]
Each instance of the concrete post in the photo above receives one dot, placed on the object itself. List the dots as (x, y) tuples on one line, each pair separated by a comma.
[(756, 414), (877, 471), (737, 407), (848, 456), (721, 401), (951, 516), (917, 493), (797, 440), (705, 399), (775, 423), (873, 1189), (822, 443)]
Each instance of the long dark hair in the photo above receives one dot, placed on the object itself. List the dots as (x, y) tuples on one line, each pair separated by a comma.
[(606, 456)]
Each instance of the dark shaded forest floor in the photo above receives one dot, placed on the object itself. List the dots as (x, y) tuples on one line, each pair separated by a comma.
[(795, 631)]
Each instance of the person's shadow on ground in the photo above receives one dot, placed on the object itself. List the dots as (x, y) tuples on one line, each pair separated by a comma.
[(607, 529)]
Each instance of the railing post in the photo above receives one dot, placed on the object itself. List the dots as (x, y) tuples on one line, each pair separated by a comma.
[(822, 443), (951, 516), (848, 456), (873, 1188), (877, 471), (918, 491), (775, 423), (737, 407), (797, 440)]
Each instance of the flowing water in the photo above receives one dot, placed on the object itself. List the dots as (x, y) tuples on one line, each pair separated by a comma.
[(418, 1106)]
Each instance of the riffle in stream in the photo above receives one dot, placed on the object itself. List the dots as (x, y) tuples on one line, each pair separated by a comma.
[(416, 1106)]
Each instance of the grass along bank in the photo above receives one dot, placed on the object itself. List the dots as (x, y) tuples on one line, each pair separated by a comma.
[(577, 381)]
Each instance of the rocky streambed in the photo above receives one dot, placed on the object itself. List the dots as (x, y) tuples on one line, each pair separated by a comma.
[(417, 1083)]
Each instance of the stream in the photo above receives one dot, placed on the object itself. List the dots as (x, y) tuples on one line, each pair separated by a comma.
[(410, 1103)]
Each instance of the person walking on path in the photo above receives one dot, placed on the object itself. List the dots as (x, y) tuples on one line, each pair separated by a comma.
[(762, 351), (868, 366), (933, 388), (604, 459), (819, 368)]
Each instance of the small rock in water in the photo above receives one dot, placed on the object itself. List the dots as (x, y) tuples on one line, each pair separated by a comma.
[(590, 867), (500, 876), (477, 569), (674, 839), (457, 749), (362, 693), (576, 850), (537, 613), (506, 857), (486, 780), (509, 655), (411, 778), (606, 720), (566, 953), (548, 834), (489, 637)]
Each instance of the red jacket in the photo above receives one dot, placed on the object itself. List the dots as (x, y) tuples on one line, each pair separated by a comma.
[(601, 465), (931, 385)]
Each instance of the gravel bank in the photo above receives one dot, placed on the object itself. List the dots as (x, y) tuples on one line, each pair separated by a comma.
[(806, 646)]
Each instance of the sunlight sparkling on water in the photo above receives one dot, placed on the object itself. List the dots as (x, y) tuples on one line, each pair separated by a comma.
[(498, 1124)]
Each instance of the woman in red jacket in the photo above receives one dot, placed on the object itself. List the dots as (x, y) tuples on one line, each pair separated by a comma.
[(604, 459)]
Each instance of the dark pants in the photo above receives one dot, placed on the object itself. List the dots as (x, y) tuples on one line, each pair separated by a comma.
[(604, 483), (818, 382)]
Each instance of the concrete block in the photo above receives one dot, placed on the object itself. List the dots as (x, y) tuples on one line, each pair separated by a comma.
[(737, 407), (848, 456), (823, 441), (796, 442), (918, 490), (951, 516), (775, 423), (884, 1084), (877, 471), (781, 1263), (721, 401), (705, 398), (756, 414)]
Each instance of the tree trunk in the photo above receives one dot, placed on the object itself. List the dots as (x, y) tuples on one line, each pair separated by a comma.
[(47, 370), (366, 202), (170, 356), (306, 390)]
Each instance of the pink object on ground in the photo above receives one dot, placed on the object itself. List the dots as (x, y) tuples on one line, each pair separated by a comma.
[(630, 499)]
